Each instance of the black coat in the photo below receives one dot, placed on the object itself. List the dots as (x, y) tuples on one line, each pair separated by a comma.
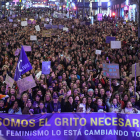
[(39, 111)]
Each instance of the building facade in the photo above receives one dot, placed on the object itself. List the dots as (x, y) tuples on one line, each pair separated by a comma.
[(127, 9)]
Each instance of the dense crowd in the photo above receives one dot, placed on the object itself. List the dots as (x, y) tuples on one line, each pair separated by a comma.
[(76, 82)]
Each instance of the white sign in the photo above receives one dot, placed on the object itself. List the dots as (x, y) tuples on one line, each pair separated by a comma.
[(33, 37), (65, 29), (38, 74), (37, 28), (115, 44), (26, 83), (23, 23), (9, 81), (15, 25), (98, 52)]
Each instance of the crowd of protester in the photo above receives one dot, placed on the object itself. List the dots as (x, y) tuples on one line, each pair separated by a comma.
[(76, 82)]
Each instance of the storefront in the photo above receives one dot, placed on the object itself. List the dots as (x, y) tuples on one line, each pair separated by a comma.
[(103, 7), (132, 12)]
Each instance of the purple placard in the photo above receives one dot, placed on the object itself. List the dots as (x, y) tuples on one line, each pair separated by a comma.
[(66, 126), (99, 17), (61, 27), (29, 21), (111, 70), (48, 26), (34, 22), (17, 52), (54, 26), (27, 48)]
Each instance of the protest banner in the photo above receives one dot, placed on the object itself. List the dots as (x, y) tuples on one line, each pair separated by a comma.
[(99, 17), (46, 65), (38, 74), (27, 48), (54, 26), (9, 81), (17, 52), (65, 29), (23, 23), (98, 52), (48, 26), (82, 23), (26, 83), (111, 70), (137, 69), (109, 38), (37, 27), (61, 26), (14, 25), (33, 37), (115, 44), (29, 21), (70, 126), (10, 20), (46, 33)]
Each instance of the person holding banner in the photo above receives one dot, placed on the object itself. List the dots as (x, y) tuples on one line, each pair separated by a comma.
[(54, 106), (129, 109), (15, 109), (84, 107), (100, 106), (114, 106), (40, 109), (28, 109)]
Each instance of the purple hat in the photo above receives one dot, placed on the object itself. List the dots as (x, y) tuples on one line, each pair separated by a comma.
[(94, 69), (59, 77)]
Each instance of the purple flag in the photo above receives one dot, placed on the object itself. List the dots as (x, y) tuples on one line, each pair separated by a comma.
[(23, 65), (46, 65)]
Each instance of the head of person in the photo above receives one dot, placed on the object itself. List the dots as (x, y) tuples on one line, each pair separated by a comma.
[(84, 100), (89, 100), (15, 104), (77, 99), (37, 98), (55, 98), (12, 98), (25, 97), (129, 104), (70, 99), (114, 101), (99, 102), (47, 97), (29, 103), (133, 100), (1, 103), (41, 105), (90, 92)]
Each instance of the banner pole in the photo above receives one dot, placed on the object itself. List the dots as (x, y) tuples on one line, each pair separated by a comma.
[(135, 77), (110, 79)]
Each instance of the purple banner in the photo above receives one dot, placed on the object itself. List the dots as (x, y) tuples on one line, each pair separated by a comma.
[(109, 38), (111, 70), (61, 26), (54, 26), (48, 26), (70, 126)]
